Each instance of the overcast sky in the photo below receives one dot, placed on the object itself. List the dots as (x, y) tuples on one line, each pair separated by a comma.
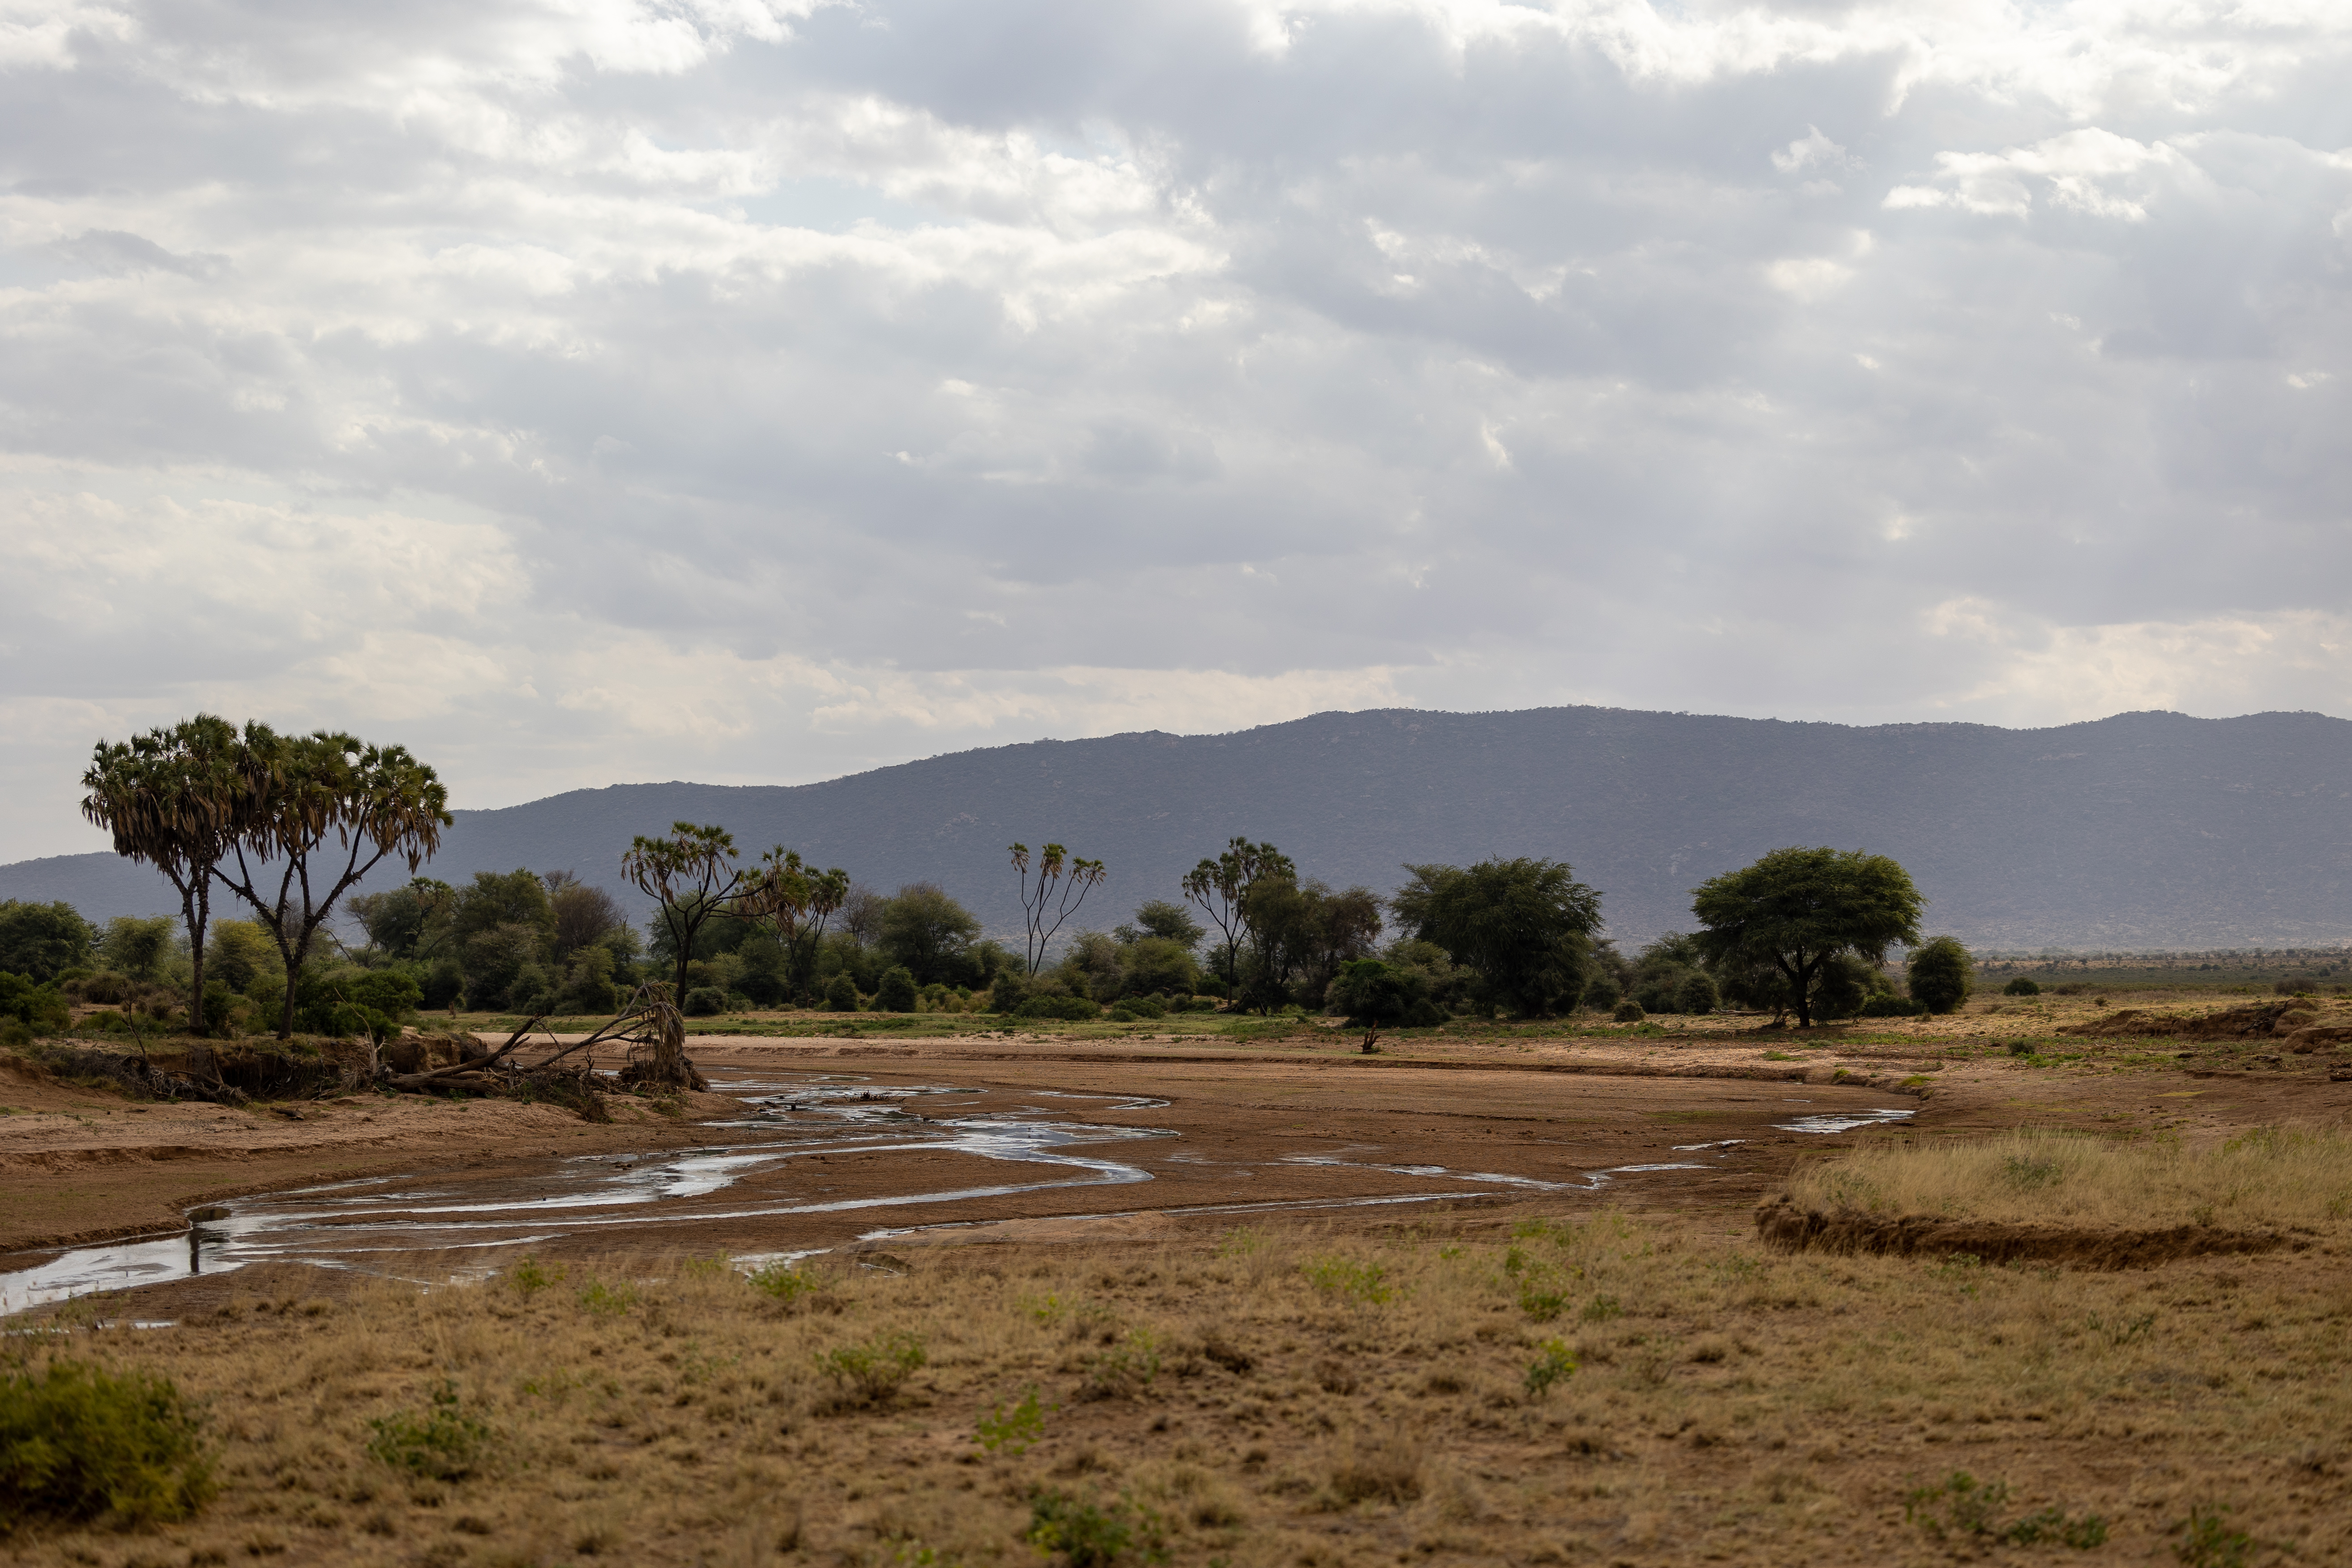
[(587, 391)]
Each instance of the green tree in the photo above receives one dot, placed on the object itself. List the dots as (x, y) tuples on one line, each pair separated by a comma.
[(1524, 926), (797, 900), (1221, 887), (1300, 935), (1940, 974), (896, 992), (136, 947), (930, 934), (693, 877), (1063, 882), (584, 916), (409, 922), (1164, 920), (41, 942), (332, 809), (241, 953), (1373, 996), (1796, 910), (178, 799)]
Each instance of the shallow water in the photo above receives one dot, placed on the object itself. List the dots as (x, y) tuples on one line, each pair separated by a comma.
[(389, 1225)]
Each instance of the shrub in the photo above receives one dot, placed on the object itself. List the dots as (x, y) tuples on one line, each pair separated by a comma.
[(703, 1001), (1073, 1009), (530, 1277), (840, 994), (1014, 1430), (782, 1282), (442, 1443), (1628, 1012), (1698, 993), (896, 993), (2020, 986), (1366, 1282), (871, 1371), (1940, 974), (1088, 1534), (1553, 1365), (40, 1008), (1888, 1005), (80, 1443)]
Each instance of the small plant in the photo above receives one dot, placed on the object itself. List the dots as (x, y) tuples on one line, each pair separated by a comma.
[(1961, 1505), (871, 1371), (442, 1443), (782, 1281), (530, 1277), (607, 1300), (1554, 1365), (1130, 1364), (2207, 1542), (1601, 1309), (80, 1443), (1015, 1430), (1627, 1011), (1344, 1277), (1241, 1241), (1088, 1534), (2020, 986)]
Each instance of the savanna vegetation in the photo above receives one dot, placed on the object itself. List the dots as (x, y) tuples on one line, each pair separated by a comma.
[(1535, 1386)]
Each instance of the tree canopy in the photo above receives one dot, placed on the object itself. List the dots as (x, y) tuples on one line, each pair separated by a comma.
[(1524, 925), (693, 877), (1797, 910)]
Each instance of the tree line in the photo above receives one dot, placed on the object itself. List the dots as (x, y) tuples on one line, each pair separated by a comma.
[(288, 826)]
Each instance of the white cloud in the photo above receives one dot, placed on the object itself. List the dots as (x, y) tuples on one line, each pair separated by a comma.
[(584, 389)]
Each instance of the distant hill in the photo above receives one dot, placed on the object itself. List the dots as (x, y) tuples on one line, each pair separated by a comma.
[(2145, 830)]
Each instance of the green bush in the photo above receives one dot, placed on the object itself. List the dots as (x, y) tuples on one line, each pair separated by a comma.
[(703, 1001), (871, 1371), (840, 994), (1628, 1012), (79, 1443), (896, 992), (41, 1009), (1887, 1005), (1554, 1365), (1089, 1535), (1697, 993), (2020, 986), (1942, 974), (442, 1443), (1075, 1009)]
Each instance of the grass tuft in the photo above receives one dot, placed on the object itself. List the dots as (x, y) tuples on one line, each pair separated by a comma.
[(79, 1443)]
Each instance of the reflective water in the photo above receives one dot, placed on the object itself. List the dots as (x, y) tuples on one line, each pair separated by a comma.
[(1844, 1121), (765, 1162)]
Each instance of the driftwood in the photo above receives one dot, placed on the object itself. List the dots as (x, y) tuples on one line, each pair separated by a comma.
[(652, 1027), (442, 1078)]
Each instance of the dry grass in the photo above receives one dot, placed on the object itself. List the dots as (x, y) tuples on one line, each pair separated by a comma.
[(2268, 1178), (1290, 1397)]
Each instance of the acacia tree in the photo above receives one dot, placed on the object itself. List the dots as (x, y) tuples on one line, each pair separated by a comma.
[(1524, 925), (1798, 910), (1062, 883), (798, 900), (175, 799), (693, 877), (330, 809), (1221, 889)]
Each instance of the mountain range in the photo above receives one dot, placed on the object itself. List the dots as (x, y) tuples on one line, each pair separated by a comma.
[(2141, 831)]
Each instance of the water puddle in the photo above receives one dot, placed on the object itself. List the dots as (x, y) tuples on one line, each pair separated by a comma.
[(1842, 1120), (781, 1156)]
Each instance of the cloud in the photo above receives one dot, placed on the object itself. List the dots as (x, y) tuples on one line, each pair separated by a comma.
[(593, 389)]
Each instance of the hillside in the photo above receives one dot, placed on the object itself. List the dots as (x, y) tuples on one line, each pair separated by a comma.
[(2143, 830)]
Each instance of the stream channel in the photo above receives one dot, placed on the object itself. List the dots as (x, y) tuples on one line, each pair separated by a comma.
[(391, 1226)]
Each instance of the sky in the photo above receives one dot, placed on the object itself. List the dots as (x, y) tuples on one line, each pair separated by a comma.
[(757, 391)]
